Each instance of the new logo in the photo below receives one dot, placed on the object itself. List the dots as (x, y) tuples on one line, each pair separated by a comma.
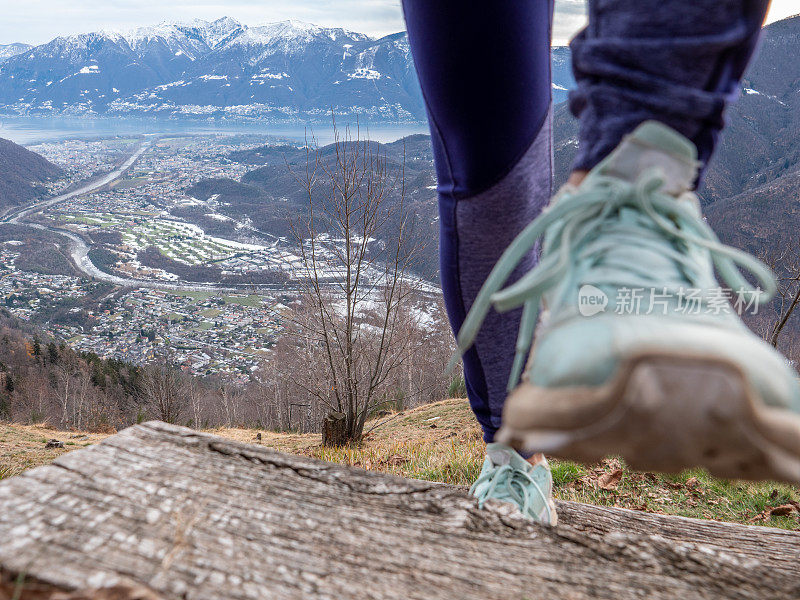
[(591, 300)]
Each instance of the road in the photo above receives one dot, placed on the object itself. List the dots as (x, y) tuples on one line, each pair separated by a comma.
[(16, 217)]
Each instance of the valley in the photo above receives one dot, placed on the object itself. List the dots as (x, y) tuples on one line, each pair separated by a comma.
[(128, 312), (124, 261)]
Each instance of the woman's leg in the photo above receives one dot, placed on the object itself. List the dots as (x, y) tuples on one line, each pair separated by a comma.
[(485, 75), (671, 385), (673, 61)]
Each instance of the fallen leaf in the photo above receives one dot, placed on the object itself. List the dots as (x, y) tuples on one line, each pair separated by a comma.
[(782, 510), (609, 481), (691, 482)]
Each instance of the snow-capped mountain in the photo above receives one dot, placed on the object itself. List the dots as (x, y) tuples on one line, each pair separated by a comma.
[(284, 71), (9, 50)]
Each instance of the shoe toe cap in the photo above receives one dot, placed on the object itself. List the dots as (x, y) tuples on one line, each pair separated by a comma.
[(588, 351)]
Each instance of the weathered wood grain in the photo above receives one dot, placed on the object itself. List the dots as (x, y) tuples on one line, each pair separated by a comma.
[(159, 511)]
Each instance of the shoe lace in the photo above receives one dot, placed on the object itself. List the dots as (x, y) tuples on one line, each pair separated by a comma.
[(516, 483), (578, 231)]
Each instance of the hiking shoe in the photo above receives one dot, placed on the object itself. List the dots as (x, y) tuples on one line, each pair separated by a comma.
[(639, 352), (508, 477)]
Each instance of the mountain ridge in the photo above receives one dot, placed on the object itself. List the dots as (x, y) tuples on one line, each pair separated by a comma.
[(281, 71), (9, 50), (286, 71)]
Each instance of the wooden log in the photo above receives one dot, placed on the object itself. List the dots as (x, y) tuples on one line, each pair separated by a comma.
[(164, 512)]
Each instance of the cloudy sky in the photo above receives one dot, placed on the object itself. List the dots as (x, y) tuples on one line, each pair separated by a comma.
[(38, 21)]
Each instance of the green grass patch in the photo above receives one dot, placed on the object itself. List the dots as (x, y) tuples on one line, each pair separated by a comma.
[(253, 300), (197, 295), (692, 493), (453, 464), (125, 184), (565, 472)]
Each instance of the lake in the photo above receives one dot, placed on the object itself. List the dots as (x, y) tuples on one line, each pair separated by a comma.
[(33, 130)]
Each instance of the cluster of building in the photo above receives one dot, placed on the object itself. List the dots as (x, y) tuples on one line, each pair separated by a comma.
[(83, 158), (139, 207), (205, 333), (24, 293)]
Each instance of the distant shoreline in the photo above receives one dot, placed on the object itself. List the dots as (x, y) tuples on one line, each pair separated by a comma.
[(35, 129)]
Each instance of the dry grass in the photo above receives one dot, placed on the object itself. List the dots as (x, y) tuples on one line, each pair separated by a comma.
[(294, 443), (442, 442), (435, 442), (23, 446)]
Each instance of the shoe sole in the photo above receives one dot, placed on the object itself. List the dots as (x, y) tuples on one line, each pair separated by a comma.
[(661, 412)]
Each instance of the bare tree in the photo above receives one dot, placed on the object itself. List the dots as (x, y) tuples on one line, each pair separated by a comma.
[(73, 383), (786, 265), (274, 389), (230, 399), (163, 390), (67, 374), (357, 279), (194, 397)]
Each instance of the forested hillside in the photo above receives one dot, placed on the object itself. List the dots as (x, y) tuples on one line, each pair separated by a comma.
[(23, 174)]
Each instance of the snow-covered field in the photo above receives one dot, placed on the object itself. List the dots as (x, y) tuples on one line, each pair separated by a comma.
[(178, 240), (189, 244)]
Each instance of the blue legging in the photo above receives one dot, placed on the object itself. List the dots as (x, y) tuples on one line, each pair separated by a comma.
[(484, 69)]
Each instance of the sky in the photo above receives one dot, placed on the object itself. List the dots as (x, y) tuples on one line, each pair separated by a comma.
[(39, 21)]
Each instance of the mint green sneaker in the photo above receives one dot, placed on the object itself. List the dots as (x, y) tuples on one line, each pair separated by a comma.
[(639, 352), (508, 477)]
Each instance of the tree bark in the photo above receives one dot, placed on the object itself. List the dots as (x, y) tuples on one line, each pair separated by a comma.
[(162, 512), (334, 429)]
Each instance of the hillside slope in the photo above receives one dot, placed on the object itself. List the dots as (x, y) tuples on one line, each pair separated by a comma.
[(270, 196), (22, 174), (442, 442)]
